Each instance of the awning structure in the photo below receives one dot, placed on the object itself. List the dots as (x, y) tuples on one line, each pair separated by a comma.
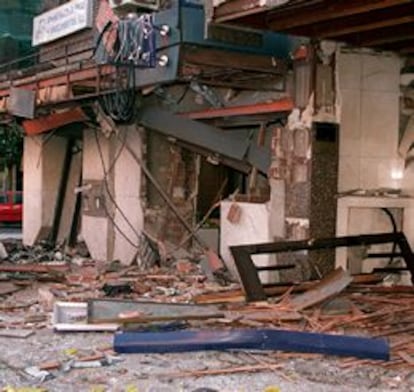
[(380, 24)]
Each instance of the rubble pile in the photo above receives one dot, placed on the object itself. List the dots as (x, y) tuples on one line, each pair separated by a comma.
[(45, 290)]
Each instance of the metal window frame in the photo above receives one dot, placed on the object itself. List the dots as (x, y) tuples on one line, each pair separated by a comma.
[(248, 272)]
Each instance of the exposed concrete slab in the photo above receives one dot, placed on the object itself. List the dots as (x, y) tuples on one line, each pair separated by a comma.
[(32, 186), (253, 227), (94, 228), (129, 216), (43, 161), (95, 235), (115, 233)]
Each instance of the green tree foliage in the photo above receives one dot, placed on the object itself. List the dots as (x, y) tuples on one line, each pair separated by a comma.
[(11, 145)]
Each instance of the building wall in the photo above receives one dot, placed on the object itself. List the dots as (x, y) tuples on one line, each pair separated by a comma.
[(369, 90), (112, 216), (369, 98)]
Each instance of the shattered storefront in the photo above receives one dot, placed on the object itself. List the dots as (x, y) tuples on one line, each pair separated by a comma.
[(192, 113), (181, 195)]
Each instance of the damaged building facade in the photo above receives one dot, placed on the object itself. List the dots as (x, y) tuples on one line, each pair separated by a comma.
[(132, 146)]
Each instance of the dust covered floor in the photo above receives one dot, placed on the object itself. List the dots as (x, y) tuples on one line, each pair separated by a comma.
[(78, 361)]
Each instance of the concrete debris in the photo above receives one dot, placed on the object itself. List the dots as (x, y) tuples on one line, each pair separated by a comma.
[(356, 306), (79, 261), (38, 374), (184, 266), (3, 252), (41, 252), (234, 214), (46, 298), (86, 364)]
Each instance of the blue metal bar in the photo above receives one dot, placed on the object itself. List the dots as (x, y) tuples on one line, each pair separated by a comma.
[(264, 339)]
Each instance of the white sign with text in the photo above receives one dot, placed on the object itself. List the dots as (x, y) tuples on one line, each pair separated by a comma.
[(59, 22)]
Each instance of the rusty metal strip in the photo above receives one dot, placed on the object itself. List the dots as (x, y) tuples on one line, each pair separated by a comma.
[(53, 121), (77, 75), (282, 105)]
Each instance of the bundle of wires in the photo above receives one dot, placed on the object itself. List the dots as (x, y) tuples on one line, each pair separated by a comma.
[(136, 42), (120, 105), (134, 47)]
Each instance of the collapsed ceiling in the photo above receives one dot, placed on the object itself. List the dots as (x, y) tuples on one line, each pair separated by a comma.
[(379, 24)]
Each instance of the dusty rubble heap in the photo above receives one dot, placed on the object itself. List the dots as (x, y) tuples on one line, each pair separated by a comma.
[(35, 282)]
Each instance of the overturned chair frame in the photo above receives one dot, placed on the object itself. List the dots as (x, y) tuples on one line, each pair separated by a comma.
[(248, 272)]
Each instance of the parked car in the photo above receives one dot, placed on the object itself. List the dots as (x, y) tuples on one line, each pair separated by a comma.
[(11, 206)]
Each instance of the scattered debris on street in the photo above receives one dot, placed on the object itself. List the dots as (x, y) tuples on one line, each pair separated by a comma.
[(177, 310)]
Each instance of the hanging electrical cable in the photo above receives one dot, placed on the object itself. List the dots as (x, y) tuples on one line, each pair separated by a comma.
[(134, 47), (120, 105), (145, 249)]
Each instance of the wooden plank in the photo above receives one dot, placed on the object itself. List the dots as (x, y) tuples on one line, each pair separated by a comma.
[(327, 11), (332, 284), (35, 268), (235, 9), (265, 316), (352, 26), (381, 36), (8, 288), (367, 26), (217, 372), (406, 357), (239, 61), (16, 333), (152, 319), (236, 295)]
